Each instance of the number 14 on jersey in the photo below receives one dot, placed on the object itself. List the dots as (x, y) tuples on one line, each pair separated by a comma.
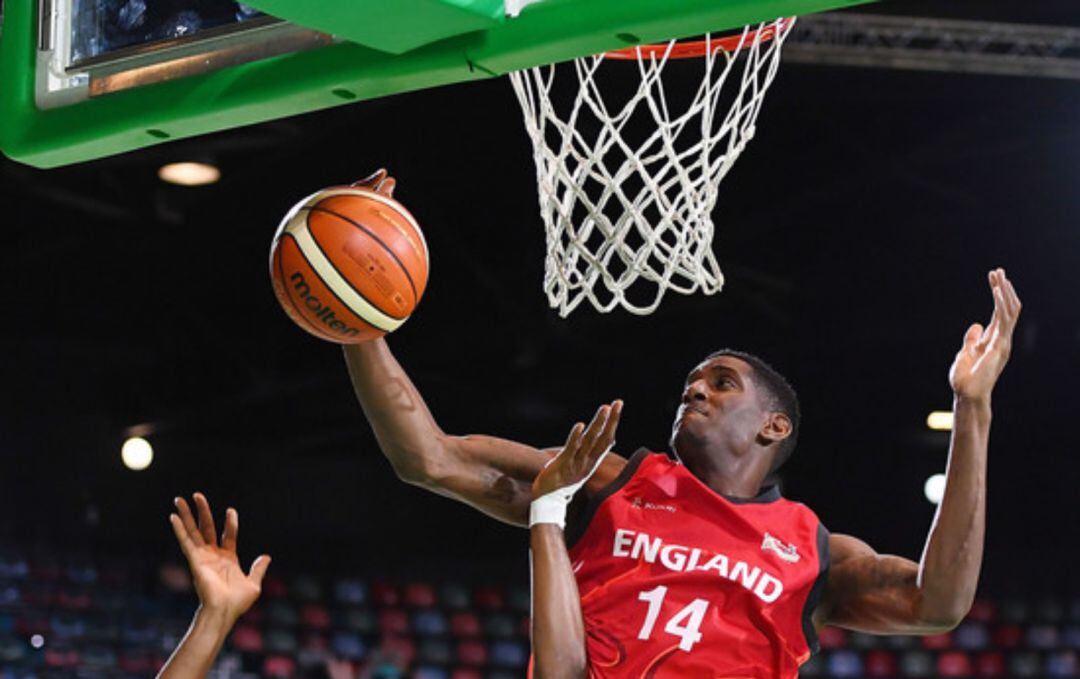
[(683, 624)]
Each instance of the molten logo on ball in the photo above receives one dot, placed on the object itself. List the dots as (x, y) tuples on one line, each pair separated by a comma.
[(323, 313)]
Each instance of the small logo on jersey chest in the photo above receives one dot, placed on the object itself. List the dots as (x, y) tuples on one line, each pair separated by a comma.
[(786, 552), (642, 504)]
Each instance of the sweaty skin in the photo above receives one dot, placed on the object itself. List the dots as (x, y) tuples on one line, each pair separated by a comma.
[(728, 439)]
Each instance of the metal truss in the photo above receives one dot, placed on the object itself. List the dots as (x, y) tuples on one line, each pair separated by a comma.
[(919, 43)]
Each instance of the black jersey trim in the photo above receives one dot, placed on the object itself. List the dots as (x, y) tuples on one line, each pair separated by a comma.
[(578, 518), (765, 495), (814, 598)]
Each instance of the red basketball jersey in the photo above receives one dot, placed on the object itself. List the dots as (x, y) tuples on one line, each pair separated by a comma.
[(679, 581)]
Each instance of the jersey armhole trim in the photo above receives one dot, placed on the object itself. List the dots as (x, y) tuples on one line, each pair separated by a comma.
[(814, 598), (578, 523)]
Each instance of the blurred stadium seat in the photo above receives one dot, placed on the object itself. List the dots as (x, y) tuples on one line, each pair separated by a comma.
[(98, 620)]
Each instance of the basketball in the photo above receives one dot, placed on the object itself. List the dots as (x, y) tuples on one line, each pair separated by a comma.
[(349, 263)]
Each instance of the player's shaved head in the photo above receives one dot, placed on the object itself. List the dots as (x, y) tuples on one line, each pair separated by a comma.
[(779, 394)]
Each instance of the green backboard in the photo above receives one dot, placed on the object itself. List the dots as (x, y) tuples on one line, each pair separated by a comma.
[(62, 102)]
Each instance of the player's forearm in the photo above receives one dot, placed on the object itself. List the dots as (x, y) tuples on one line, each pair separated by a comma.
[(403, 425), (949, 572), (195, 654), (558, 632)]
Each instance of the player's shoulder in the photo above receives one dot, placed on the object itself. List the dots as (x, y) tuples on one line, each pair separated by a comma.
[(609, 471), (616, 470), (843, 547)]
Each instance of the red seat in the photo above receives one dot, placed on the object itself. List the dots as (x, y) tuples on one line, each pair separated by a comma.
[(990, 664), (937, 642), (61, 657), (982, 611), (466, 673), (247, 638), (274, 588), (73, 600), (394, 621), (489, 598), (401, 647), (138, 662), (420, 595), (384, 594), (832, 638), (31, 623), (315, 616), (45, 571), (880, 663), (254, 616), (281, 666), (954, 664), (315, 642), (1008, 636), (472, 653), (464, 625)]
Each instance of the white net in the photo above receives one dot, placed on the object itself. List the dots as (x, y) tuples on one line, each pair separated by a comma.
[(627, 191)]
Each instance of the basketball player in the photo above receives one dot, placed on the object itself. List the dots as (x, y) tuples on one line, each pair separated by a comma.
[(688, 566), (225, 591)]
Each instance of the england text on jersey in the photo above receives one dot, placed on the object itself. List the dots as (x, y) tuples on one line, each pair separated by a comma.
[(635, 545)]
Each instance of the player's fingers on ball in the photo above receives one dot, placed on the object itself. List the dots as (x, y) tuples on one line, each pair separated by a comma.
[(258, 569), (189, 521), (232, 527), (206, 519)]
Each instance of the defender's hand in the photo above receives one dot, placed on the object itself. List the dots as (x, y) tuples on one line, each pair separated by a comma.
[(581, 455), (986, 350), (220, 583), (380, 182)]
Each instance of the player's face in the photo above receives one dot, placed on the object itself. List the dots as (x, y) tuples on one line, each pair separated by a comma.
[(719, 405)]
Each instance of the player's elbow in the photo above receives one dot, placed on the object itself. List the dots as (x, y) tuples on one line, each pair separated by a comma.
[(423, 467), (945, 616)]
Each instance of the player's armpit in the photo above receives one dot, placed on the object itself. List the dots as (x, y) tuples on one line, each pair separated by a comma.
[(871, 592), (495, 475)]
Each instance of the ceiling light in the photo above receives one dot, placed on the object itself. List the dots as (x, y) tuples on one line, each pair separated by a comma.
[(940, 420), (137, 453), (189, 174)]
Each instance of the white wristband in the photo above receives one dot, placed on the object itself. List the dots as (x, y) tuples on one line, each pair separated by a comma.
[(551, 507)]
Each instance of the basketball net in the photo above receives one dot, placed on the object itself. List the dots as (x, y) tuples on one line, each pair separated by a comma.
[(627, 210)]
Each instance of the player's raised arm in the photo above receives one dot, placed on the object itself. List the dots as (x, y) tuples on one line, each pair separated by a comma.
[(491, 474), (558, 630), (888, 594), (225, 591)]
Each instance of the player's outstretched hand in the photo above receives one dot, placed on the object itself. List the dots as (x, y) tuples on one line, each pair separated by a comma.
[(986, 350), (378, 181), (219, 581), (581, 456)]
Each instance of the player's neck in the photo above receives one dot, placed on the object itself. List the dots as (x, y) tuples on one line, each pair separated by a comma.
[(728, 475)]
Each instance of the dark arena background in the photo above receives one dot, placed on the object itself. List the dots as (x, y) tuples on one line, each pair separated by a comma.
[(855, 233)]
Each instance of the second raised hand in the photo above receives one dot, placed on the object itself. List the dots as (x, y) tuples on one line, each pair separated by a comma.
[(575, 464)]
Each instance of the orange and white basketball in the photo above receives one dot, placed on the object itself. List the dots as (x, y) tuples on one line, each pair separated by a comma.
[(349, 264)]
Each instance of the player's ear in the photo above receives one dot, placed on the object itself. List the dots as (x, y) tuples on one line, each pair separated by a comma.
[(777, 427)]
